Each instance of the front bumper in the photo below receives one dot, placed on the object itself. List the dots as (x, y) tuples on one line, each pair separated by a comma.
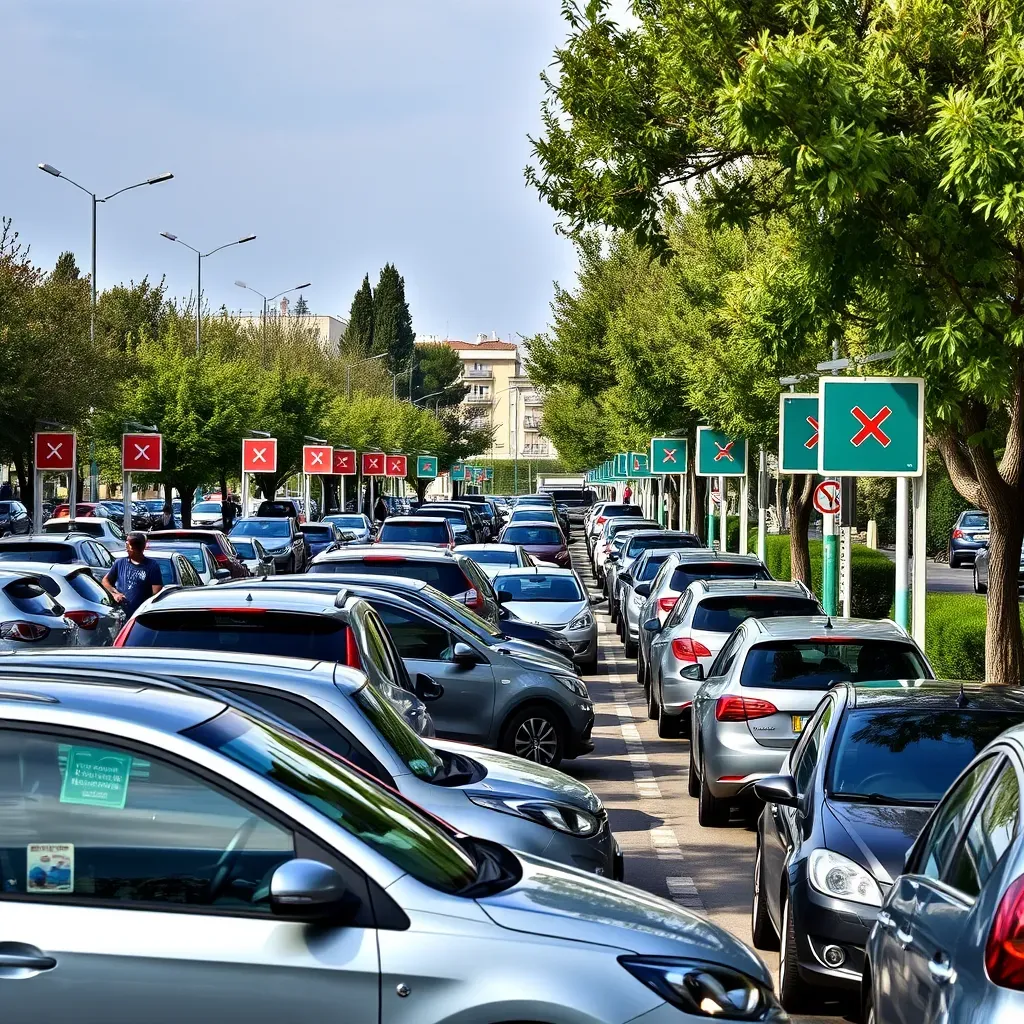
[(583, 643), (578, 740), (598, 855)]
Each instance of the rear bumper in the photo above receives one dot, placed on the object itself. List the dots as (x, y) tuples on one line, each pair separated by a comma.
[(741, 765)]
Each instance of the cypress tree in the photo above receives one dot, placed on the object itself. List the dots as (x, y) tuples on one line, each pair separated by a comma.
[(359, 333), (392, 323)]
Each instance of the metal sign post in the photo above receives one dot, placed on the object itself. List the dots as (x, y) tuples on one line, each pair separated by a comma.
[(723, 516), (140, 453), (762, 506), (55, 452), (826, 501), (902, 559), (920, 555)]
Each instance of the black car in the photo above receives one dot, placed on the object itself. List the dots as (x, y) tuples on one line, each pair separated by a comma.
[(281, 537), (321, 537), (858, 787), (14, 518)]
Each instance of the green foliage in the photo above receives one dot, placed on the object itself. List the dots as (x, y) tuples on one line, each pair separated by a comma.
[(125, 314), (438, 369), (955, 635), (506, 474), (945, 504), (359, 333), (66, 269), (392, 323), (301, 306)]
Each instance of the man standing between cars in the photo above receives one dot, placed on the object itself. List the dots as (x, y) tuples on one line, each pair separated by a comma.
[(134, 579)]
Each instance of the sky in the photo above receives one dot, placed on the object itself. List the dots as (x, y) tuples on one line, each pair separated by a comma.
[(342, 133)]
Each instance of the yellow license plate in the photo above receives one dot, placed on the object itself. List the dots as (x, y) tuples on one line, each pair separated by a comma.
[(798, 723)]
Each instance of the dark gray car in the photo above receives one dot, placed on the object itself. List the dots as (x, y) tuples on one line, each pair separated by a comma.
[(281, 537)]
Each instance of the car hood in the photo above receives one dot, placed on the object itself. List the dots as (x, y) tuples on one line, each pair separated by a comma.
[(547, 613), (880, 835), (564, 903), (530, 656), (508, 775)]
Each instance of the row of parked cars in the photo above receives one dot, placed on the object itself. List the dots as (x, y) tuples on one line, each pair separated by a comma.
[(888, 868)]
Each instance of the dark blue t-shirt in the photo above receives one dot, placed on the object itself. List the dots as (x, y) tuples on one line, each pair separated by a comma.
[(136, 582)]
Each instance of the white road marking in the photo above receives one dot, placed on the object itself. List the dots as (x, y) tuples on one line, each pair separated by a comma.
[(682, 891)]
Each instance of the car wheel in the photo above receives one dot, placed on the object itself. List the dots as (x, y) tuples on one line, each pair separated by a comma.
[(652, 704), (954, 562), (761, 929), (711, 811), (979, 587), (668, 725), (692, 780), (535, 735), (794, 993), (629, 646), (589, 667)]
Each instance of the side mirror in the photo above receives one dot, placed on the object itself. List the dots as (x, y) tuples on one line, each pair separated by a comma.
[(464, 655), (427, 688), (503, 596), (777, 789), (694, 672), (653, 625), (222, 574), (642, 590), (625, 577), (307, 890)]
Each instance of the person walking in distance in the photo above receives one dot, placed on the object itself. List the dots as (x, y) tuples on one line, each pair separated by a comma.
[(165, 521), (135, 578), (627, 493), (380, 510)]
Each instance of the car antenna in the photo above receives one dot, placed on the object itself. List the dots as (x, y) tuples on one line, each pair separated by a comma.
[(828, 622), (248, 597), (961, 699)]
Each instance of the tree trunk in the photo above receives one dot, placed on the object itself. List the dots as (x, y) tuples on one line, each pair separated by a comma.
[(421, 491), (26, 486), (1003, 639), (699, 508), (186, 488), (801, 494)]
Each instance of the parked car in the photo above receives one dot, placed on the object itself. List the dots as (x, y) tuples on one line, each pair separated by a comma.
[(422, 530), (103, 531), (604, 538), (281, 537), (357, 525), (628, 545), (254, 556), (981, 560), (555, 598), (306, 868), (50, 548), (222, 549), (72, 585), (30, 616), (609, 510), (83, 509), (175, 569), (763, 687), (837, 824), (14, 518), (281, 508), (946, 942), (321, 537), (542, 541), (467, 528), (208, 515), (964, 539), (199, 555), (493, 558)]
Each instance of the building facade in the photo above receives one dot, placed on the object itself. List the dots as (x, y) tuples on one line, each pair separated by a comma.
[(328, 329)]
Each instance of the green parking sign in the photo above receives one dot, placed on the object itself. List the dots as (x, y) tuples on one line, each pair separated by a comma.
[(458, 471), (639, 465), (426, 467), (720, 454), (871, 426), (621, 464), (798, 433), (668, 454)]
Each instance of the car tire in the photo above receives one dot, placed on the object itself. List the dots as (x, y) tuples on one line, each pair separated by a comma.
[(668, 725), (979, 587), (629, 646), (589, 667), (761, 930), (692, 779), (652, 704), (536, 734), (712, 812), (795, 994)]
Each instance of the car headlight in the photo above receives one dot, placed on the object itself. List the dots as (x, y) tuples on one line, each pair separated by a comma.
[(572, 820), (705, 990), (832, 874), (583, 622), (576, 685), (280, 551)]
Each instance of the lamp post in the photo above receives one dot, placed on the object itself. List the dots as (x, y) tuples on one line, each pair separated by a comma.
[(348, 371), (96, 200), (266, 299), (200, 256)]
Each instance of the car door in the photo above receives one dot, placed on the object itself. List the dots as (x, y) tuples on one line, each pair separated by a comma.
[(465, 708), (138, 890), (21, 522)]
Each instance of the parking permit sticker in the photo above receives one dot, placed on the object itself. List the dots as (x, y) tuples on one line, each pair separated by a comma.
[(50, 867), (96, 777)]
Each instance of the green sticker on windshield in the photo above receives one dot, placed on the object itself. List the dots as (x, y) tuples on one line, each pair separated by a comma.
[(96, 777)]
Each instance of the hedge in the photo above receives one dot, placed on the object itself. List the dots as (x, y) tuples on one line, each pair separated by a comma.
[(945, 503), (529, 470)]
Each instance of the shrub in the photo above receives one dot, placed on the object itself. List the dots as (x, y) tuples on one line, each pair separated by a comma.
[(945, 503), (955, 635)]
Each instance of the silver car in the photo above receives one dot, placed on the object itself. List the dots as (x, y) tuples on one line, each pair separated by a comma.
[(247, 873), (495, 558), (555, 598), (610, 510), (199, 556), (764, 686), (981, 560), (628, 546), (634, 593), (947, 939), (353, 523), (103, 531), (606, 537), (252, 554), (85, 602), (30, 617), (697, 629)]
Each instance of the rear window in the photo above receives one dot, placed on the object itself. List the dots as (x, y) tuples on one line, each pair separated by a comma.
[(638, 544), (540, 515), (276, 508), (493, 557), (62, 554), (84, 585), (349, 522), (546, 535), (262, 528), (649, 567), (539, 588), (30, 598), (975, 522), (244, 548), (414, 533), (817, 664), (79, 526), (622, 510), (446, 577), (319, 532), (687, 573), (244, 631), (193, 554), (724, 614), (453, 515)]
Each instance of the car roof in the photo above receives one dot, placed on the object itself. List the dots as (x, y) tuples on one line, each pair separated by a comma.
[(27, 568), (463, 548), (934, 695), (184, 532), (8, 574), (536, 570), (68, 519), (44, 538), (411, 520), (804, 627), (532, 522), (741, 588), (711, 555), (225, 597), (326, 581), (358, 552), (644, 531)]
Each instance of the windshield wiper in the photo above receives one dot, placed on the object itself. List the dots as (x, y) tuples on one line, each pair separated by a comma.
[(881, 799)]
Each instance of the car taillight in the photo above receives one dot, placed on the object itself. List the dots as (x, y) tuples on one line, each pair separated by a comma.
[(474, 599), (666, 604), (958, 534), (686, 649), (84, 619), (1004, 951), (743, 709), (221, 559), (26, 632), (601, 520)]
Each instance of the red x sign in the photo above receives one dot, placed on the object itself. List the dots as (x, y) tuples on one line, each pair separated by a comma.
[(724, 451), (259, 455), (344, 461), (55, 451), (142, 453), (669, 455), (317, 458), (397, 465), (373, 463), (813, 439), (871, 426)]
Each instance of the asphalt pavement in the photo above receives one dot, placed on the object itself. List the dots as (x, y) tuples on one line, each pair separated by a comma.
[(642, 781), (940, 578)]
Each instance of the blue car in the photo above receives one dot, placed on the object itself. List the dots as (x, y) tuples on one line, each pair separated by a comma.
[(321, 537)]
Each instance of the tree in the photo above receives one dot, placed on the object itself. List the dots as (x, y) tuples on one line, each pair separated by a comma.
[(359, 333), (438, 373), (392, 324), (127, 313), (66, 269), (301, 307)]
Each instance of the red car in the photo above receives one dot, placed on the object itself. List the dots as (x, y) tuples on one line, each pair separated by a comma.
[(543, 541), (82, 508), (221, 548)]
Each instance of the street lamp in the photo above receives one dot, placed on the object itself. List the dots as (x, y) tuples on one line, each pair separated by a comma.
[(348, 371), (297, 288), (50, 169), (200, 256)]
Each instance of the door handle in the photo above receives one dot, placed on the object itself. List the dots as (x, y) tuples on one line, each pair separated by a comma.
[(20, 960), (941, 970), (885, 920), (904, 938)]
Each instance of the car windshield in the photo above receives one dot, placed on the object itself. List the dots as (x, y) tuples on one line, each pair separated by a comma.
[(546, 536), (815, 664), (975, 521), (193, 552), (244, 548), (415, 533), (909, 756), (724, 614), (638, 544), (261, 528), (413, 752), (34, 551), (207, 506), (688, 572), (493, 557), (347, 522), (392, 827), (539, 587)]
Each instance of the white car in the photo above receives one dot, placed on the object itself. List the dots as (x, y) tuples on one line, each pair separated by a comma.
[(208, 514), (103, 531), (199, 555), (495, 558)]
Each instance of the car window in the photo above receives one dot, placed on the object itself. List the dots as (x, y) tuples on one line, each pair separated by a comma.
[(187, 572), (975, 521), (649, 567), (679, 610), (411, 750), (49, 584), (31, 599), (810, 753), (445, 576), (726, 656), (638, 544), (945, 826), (415, 533), (724, 614), (993, 830), (558, 589), (818, 663), (688, 572), (84, 584), (544, 535), (270, 528), (165, 564), (36, 551), (382, 650), (88, 822), (414, 636), (497, 557)]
